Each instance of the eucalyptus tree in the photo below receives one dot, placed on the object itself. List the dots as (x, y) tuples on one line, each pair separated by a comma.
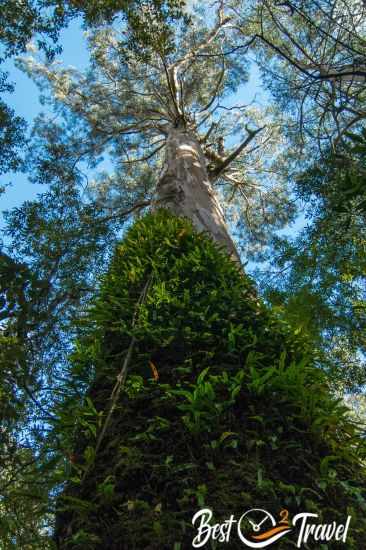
[(166, 120), (134, 106), (165, 117), (151, 112)]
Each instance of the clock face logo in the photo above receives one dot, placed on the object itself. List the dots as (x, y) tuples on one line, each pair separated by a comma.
[(257, 528)]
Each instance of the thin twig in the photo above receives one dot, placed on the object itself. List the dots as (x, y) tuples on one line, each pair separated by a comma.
[(123, 372)]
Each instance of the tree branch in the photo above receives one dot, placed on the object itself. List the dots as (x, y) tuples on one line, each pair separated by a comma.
[(215, 173)]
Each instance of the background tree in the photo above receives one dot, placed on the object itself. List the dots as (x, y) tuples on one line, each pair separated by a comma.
[(314, 60), (320, 275), (312, 57), (19, 22)]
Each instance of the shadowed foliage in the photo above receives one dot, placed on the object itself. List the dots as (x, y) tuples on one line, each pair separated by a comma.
[(214, 403)]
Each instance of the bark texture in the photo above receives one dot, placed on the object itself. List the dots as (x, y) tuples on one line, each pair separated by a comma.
[(184, 188)]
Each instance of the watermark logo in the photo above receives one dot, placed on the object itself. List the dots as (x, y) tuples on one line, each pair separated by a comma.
[(262, 527), (258, 528)]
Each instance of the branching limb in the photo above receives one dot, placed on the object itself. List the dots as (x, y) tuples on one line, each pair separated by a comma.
[(208, 133), (124, 213), (215, 173), (146, 157)]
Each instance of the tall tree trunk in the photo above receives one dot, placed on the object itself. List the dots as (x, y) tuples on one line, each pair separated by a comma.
[(185, 189)]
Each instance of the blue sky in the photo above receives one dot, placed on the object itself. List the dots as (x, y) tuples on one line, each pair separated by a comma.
[(25, 101)]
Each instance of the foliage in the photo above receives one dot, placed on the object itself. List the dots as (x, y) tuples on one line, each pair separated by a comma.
[(48, 267), (42, 21), (217, 386), (25, 520), (146, 19), (313, 58), (121, 109), (19, 22), (52, 253), (12, 130), (321, 286), (146, 76)]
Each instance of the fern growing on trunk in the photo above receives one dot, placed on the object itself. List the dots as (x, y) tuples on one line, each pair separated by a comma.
[(199, 397)]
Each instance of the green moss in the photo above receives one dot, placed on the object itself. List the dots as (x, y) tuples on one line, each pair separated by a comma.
[(239, 416)]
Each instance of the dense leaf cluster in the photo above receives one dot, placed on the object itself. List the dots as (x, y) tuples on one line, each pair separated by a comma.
[(222, 405)]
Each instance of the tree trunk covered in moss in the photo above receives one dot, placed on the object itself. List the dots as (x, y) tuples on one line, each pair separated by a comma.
[(222, 406), (184, 187)]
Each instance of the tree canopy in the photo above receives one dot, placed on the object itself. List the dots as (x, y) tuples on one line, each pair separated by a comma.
[(99, 152)]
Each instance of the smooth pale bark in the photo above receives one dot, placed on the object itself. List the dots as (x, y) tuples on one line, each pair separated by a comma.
[(185, 189)]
